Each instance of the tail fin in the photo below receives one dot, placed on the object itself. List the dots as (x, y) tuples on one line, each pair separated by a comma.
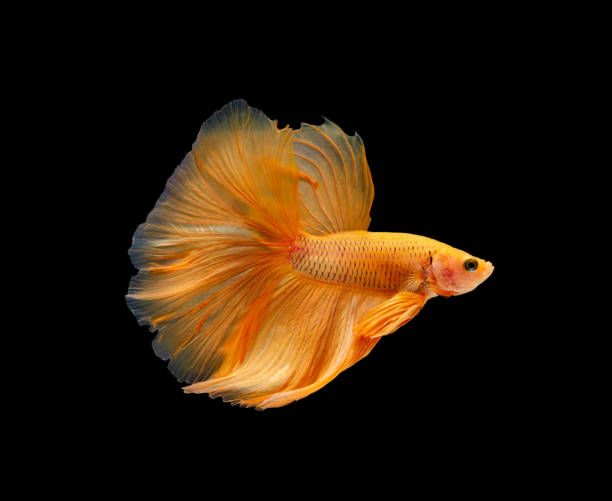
[(233, 319), (215, 238)]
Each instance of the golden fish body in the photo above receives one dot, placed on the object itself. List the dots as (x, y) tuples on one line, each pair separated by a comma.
[(381, 262)]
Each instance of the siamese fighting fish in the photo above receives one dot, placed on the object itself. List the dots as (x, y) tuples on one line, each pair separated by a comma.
[(256, 268)]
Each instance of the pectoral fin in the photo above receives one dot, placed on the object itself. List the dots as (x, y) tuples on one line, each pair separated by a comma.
[(389, 316)]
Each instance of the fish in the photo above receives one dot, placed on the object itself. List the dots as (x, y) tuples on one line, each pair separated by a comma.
[(256, 270)]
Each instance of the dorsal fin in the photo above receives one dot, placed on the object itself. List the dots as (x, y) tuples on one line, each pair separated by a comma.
[(335, 186)]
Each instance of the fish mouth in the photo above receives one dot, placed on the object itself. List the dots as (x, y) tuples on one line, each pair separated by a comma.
[(488, 269)]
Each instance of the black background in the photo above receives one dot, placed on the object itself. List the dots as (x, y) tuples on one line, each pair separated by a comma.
[(472, 120), (449, 142), (480, 127)]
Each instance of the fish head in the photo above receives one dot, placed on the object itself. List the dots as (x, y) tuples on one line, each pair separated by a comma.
[(457, 272)]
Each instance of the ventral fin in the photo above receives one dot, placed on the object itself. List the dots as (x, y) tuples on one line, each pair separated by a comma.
[(389, 316)]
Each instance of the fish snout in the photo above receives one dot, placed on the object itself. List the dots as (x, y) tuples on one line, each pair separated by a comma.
[(488, 269)]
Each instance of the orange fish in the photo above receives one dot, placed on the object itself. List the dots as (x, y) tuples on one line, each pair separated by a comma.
[(256, 269)]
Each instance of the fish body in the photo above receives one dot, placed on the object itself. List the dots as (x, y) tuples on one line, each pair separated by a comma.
[(377, 262), (257, 270)]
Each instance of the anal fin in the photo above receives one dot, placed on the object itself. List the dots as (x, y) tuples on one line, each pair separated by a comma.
[(389, 316)]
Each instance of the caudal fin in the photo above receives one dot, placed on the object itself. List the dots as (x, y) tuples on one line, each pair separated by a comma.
[(216, 239)]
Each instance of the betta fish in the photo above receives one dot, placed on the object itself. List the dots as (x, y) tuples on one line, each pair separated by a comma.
[(256, 268)]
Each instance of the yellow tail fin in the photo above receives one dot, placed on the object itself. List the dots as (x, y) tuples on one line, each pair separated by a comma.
[(233, 318)]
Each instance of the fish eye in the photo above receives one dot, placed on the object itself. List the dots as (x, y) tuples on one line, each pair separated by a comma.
[(470, 264)]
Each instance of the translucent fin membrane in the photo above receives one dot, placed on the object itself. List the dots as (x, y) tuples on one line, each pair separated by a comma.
[(215, 239), (336, 190), (305, 340)]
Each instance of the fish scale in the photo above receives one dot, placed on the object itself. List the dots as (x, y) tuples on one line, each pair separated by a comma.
[(378, 261)]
